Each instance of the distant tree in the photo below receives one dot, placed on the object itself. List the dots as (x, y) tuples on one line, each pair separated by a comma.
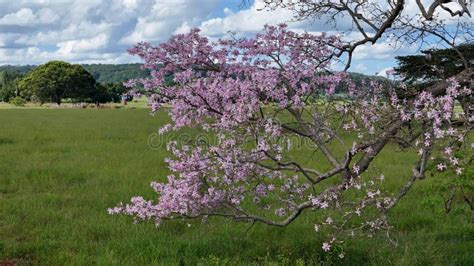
[(101, 95), (115, 91), (57, 80), (20, 69), (9, 84), (434, 65)]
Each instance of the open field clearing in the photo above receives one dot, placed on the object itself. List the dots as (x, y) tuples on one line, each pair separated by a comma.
[(136, 103), (61, 169)]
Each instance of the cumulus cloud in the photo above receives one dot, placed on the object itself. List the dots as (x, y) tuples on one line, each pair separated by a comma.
[(6, 38), (83, 45), (384, 72), (256, 16), (168, 17), (35, 55), (380, 50), (130, 4), (248, 20), (35, 31), (26, 17), (72, 32)]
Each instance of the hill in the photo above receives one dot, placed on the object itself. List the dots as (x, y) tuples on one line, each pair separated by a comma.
[(108, 73), (20, 69), (103, 73)]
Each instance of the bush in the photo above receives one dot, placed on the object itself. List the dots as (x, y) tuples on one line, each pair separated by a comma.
[(18, 101)]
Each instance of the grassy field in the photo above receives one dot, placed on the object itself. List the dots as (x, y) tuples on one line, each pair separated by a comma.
[(136, 103), (60, 169)]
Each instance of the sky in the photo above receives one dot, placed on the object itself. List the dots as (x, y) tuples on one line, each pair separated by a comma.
[(100, 31)]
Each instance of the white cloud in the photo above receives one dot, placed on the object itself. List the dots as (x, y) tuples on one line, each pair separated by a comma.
[(247, 20), (383, 72), (184, 28), (82, 45), (168, 17), (80, 30), (34, 55), (26, 17), (382, 50), (32, 51), (131, 4), (22, 17), (47, 16), (4, 38), (90, 31)]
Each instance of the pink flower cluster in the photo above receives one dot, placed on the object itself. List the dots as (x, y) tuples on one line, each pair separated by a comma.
[(222, 87)]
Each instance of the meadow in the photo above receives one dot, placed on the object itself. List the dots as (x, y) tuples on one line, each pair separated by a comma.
[(60, 169)]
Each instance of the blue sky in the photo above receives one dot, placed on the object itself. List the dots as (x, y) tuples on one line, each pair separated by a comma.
[(100, 31)]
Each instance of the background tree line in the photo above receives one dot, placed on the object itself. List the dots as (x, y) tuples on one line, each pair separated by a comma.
[(56, 81), (103, 73), (96, 83)]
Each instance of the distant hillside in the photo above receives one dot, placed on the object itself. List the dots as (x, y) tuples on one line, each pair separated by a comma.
[(21, 69), (359, 77), (107, 73), (103, 73)]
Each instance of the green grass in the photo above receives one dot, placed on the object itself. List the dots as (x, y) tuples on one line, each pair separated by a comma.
[(136, 103), (61, 169)]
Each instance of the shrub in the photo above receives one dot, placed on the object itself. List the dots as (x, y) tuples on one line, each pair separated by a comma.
[(18, 101)]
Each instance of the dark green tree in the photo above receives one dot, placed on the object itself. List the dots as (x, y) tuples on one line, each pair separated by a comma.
[(115, 91), (102, 95), (9, 84), (57, 80), (434, 65)]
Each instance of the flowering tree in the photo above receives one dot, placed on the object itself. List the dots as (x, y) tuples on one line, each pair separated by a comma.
[(257, 96)]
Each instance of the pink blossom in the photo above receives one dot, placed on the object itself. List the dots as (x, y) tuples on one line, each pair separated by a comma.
[(382, 177), (326, 247), (324, 205), (280, 212), (329, 220), (448, 150), (441, 167), (356, 169)]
